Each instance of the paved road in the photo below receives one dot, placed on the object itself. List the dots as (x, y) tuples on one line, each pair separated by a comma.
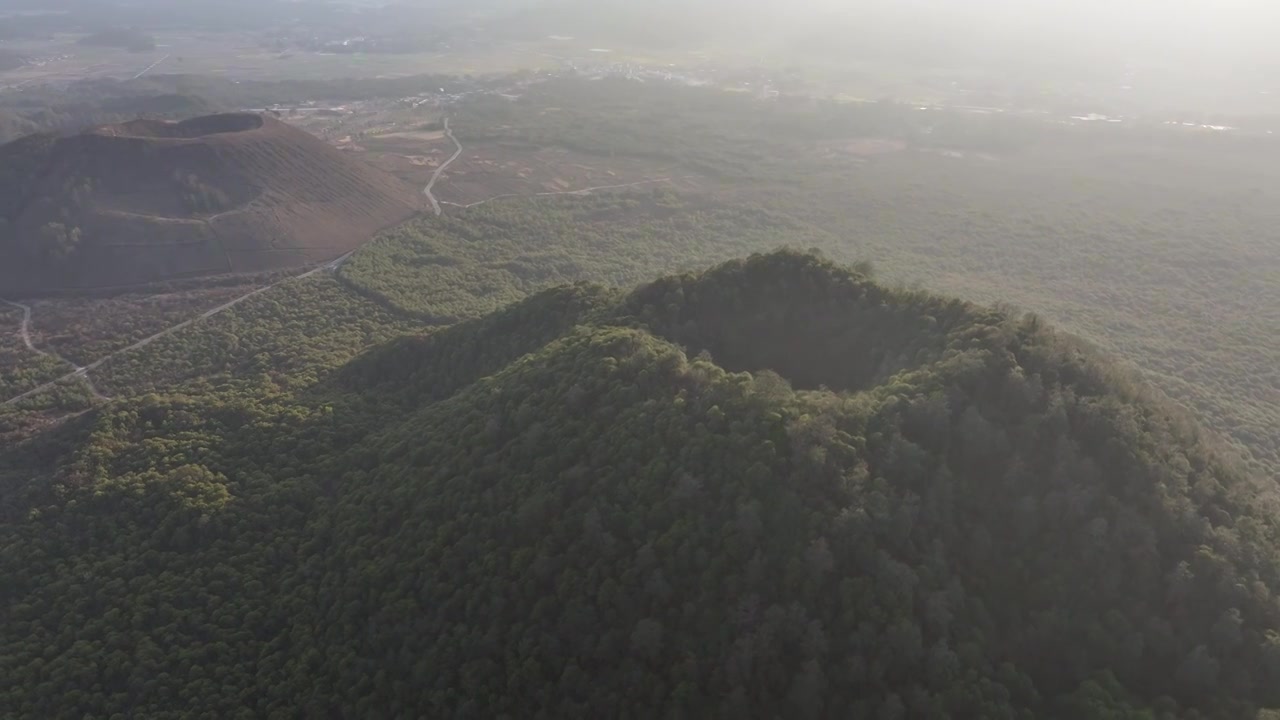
[(435, 204), (148, 68), (83, 372)]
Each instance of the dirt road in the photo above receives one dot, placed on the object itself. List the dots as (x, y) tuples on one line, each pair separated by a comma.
[(26, 325), (83, 372), (435, 204), (25, 333)]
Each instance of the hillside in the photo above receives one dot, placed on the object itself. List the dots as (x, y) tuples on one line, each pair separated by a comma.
[(148, 200), (1158, 246), (775, 489), (10, 60), (40, 110), (14, 126)]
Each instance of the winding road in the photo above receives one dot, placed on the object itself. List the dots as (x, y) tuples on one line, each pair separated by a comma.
[(26, 325), (83, 372), (435, 177), (333, 266), (25, 333)]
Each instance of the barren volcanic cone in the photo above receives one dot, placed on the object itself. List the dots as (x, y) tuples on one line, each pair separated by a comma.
[(150, 200)]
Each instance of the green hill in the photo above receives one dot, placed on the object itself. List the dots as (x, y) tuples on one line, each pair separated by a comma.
[(775, 489)]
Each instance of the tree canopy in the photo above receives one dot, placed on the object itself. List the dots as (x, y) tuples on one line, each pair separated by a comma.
[(774, 489)]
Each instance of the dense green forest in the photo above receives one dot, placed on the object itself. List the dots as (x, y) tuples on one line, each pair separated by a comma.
[(21, 369), (776, 489), (1105, 230), (454, 479), (465, 265), (1157, 244), (272, 343), (281, 340)]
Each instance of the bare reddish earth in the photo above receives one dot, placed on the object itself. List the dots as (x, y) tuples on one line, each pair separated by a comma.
[(269, 195)]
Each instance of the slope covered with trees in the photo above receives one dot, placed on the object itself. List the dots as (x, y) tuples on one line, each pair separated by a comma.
[(1157, 242), (462, 266), (595, 503)]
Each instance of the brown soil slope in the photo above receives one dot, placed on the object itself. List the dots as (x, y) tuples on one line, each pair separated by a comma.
[(150, 200)]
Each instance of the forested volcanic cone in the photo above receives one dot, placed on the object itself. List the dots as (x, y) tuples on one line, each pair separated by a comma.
[(149, 200)]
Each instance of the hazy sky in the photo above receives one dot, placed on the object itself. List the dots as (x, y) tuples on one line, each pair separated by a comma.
[(1176, 25), (1178, 48), (1194, 22), (1185, 33)]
